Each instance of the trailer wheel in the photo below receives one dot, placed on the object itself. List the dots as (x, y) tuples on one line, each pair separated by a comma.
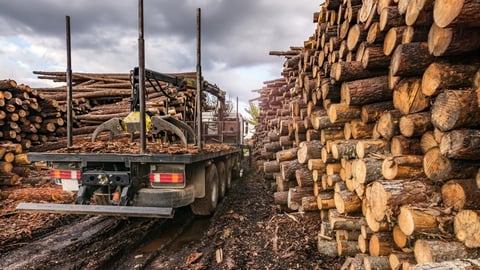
[(222, 179), (206, 206)]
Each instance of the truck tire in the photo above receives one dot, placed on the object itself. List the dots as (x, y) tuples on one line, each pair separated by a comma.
[(206, 206), (222, 179)]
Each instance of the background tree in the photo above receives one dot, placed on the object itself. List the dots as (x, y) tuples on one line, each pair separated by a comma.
[(253, 114)]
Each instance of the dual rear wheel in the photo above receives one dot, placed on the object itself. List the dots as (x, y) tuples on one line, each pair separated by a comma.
[(217, 183)]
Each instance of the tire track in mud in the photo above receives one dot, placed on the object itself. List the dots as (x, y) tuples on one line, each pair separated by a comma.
[(91, 243)]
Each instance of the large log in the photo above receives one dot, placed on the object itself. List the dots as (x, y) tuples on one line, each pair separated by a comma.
[(446, 75), (408, 96), (415, 219), (440, 168), (452, 41), (308, 150), (372, 112), (457, 12), (414, 125), (454, 109), (461, 144), (342, 113), (429, 251), (387, 195), (366, 91), (410, 59), (458, 264), (461, 193), (467, 227)]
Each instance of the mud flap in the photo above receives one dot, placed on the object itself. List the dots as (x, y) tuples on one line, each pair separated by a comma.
[(104, 210)]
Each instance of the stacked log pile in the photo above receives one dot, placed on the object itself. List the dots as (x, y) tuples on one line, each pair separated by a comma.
[(379, 112), (27, 119), (99, 97)]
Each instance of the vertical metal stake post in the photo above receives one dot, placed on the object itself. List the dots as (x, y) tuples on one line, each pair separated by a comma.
[(141, 78), (69, 84)]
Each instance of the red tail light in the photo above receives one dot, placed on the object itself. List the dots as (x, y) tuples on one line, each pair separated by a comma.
[(65, 174), (166, 178)]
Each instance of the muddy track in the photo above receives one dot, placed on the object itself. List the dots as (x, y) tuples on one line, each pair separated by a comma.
[(95, 243)]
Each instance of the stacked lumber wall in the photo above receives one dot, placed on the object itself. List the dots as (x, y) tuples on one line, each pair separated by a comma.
[(375, 124)]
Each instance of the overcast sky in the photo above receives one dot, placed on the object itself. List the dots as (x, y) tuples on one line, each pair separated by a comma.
[(236, 38)]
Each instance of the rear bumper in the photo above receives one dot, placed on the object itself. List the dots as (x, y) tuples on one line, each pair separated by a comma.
[(172, 198)]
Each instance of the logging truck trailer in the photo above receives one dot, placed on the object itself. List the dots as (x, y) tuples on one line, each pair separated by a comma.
[(141, 185), (150, 183)]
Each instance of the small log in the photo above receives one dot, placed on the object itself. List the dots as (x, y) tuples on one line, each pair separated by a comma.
[(332, 134), (399, 238), (368, 170), (460, 194), (414, 219), (400, 145), (401, 167), (381, 244), (271, 167), (288, 168), (347, 202), (430, 251), (428, 141), (304, 177), (392, 39), (364, 91), (285, 155), (309, 204), (387, 124), (376, 262), (347, 248), (414, 125), (342, 113), (347, 71), (316, 164), (327, 247), (372, 112), (345, 149), (365, 147), (280, 198)]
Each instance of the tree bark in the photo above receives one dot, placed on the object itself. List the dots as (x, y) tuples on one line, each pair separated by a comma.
[(430, 251), (452, 41)]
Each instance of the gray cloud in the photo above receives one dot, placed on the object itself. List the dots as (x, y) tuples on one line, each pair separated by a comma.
[(236, 35)]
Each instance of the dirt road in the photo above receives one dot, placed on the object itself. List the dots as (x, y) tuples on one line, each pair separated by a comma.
[(247, 232)]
